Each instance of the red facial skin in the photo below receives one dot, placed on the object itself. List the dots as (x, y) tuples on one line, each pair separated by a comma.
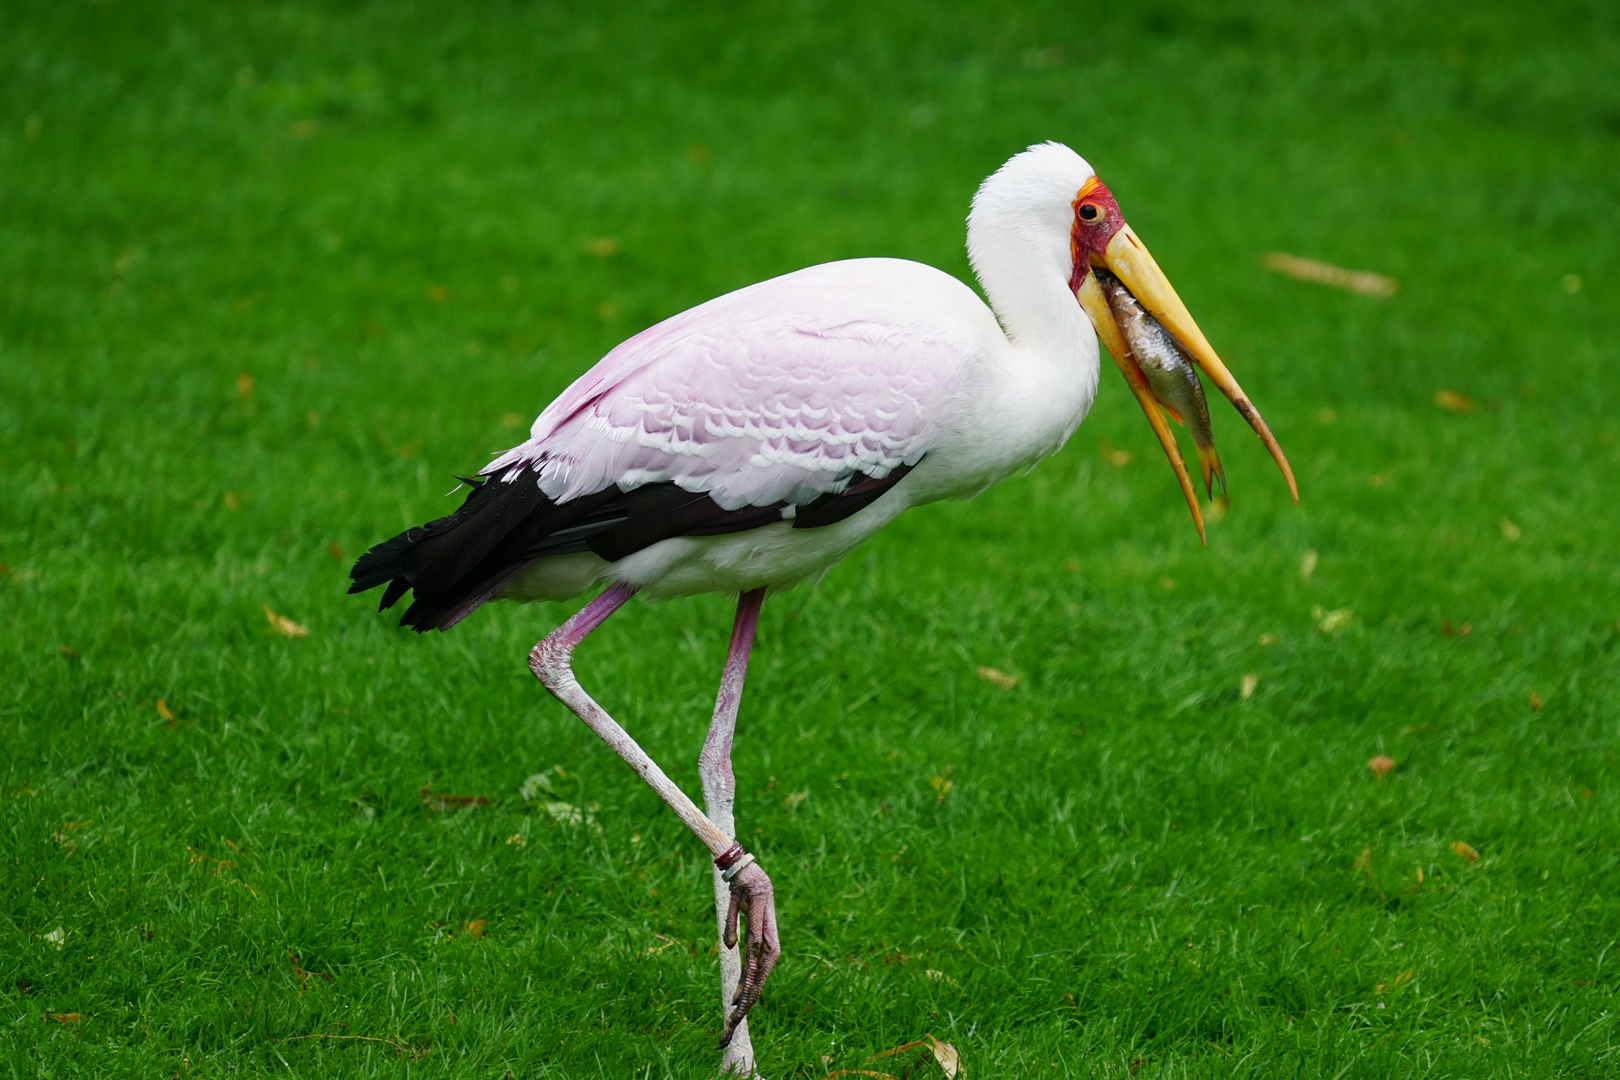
[(1096, 220)]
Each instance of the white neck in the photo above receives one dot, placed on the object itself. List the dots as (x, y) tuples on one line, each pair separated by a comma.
[(1030, 297), (1018, 243)]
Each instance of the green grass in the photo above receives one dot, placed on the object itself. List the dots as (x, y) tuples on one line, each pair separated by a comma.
[(1134, 869)]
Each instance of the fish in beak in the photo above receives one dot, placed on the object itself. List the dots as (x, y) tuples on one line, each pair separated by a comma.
[(1169, 372), (1153, 339)]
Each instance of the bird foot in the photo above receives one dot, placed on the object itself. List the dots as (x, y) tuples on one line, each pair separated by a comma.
[(753, 898)]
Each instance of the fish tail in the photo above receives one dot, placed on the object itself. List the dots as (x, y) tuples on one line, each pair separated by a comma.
[(1209, 462)]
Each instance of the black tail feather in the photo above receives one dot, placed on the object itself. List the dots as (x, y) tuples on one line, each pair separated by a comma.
[(396, 589), (457, 563)]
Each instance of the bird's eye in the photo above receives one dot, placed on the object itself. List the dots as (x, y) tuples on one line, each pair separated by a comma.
[(1091, 213)]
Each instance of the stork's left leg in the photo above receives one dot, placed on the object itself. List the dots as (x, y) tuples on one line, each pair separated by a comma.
[(719, 795)]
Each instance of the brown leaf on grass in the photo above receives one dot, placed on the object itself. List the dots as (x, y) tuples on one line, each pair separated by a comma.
[(1399, 980), (62, 1018), (220, 865), (438, 293), (1364, 282), (444, 802), (1511, 532), (1380, 766), (164, 711), (1461, 630), (1117, 458), (335, 550), (283, 625), (303, 975), (996, 678), (944, 1054), (473, 928), (1465, 851), (1307, 564), (1535, 701), (244, 385), (1246, 687), (1331, 622), (62, 837), (941, 784), (670, 943), (1363, 863), (1451, 401)]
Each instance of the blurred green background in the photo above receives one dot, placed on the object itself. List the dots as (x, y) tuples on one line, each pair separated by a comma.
[(272, 274)]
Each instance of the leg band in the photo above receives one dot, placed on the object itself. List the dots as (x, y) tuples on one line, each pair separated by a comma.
[(736, 868), (724, 860)]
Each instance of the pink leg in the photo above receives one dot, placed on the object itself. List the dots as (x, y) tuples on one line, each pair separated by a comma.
[(750, 888), (550, 659), (719, 794)]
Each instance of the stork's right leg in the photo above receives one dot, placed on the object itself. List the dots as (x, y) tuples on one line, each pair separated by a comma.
[(751, 894), (719, 796)]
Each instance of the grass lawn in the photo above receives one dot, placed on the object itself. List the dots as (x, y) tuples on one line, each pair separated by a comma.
[(272, 274)]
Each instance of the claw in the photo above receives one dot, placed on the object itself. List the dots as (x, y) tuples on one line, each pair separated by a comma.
[(753, 898), (731, 920)]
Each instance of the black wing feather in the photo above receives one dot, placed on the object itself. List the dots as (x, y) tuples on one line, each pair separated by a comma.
[(456, 563)]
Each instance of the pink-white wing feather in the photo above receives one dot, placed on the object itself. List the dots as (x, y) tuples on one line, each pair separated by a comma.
[(781, 391)]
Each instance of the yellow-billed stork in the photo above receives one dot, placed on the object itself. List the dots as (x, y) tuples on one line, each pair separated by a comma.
[(753, 441)]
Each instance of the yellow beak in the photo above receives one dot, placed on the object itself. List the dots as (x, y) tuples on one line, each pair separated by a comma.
[(1128, 259)]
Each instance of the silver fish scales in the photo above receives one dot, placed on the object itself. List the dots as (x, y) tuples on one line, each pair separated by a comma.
[(1169, 373)]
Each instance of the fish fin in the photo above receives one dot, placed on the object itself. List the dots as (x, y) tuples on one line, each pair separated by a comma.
[(1209, 462), (1172, 414)]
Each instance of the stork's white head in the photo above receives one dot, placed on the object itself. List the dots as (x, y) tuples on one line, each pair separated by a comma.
[(1019, 228), (1044, 224)]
